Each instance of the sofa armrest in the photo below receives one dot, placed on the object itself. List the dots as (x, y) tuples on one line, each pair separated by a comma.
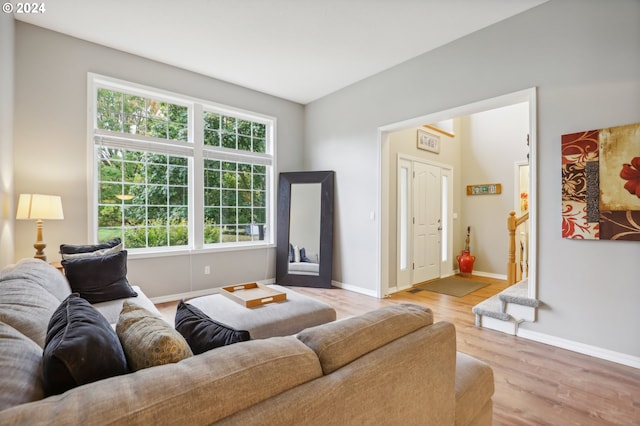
[(474, 389)]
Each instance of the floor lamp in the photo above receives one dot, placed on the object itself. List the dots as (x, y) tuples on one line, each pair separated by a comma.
[(40, 207)]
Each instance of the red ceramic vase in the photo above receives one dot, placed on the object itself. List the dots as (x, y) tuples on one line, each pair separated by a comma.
[(465, 262)]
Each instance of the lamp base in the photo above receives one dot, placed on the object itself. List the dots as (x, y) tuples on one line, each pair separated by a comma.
[(40, 246)]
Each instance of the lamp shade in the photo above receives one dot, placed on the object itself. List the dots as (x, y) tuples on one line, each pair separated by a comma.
[(37, 206)]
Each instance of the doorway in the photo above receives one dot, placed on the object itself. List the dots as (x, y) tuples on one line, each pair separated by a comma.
[(424, 192), (391, 254)]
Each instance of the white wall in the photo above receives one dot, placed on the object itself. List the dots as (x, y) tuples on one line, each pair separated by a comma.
[(51, 149), (584, 58), (492, 142), (7, 213)]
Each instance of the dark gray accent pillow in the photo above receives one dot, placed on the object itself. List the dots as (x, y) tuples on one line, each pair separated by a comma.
[(303, 256), (101, 278), (202, 333), (80, 348), (88, 248)]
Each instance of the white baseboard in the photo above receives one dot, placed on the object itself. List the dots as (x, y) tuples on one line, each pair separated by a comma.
[(197, 293), (488, 275), (355, 289), (594, 351), (180, 296)]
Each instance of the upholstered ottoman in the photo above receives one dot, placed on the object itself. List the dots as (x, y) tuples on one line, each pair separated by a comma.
[(272, 319)]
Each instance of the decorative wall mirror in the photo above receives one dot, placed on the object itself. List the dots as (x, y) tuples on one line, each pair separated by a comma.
[(305, 229)]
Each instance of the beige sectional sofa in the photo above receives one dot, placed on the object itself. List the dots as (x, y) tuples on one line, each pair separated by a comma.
[(392, 366)]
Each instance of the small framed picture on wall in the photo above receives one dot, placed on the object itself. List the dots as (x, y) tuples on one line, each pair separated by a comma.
[(428, 141)]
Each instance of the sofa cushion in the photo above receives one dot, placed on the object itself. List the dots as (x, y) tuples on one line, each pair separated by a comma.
[(41, 273), (202, 333), (341, 342), (88, 248), (81, 347), (273, 319), (99, 279), (27, 307), (112, 308), (148, 340), (20, 363), (474, 388)]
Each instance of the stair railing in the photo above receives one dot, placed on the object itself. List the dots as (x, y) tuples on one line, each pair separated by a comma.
[(515, 273)]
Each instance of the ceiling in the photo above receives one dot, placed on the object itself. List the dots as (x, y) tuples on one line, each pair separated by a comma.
[(299, 50)]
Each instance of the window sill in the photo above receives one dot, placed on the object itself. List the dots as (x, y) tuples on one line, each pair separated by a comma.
[(146, 253)]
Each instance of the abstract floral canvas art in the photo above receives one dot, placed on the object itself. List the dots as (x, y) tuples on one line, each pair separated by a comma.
[(601, 184)]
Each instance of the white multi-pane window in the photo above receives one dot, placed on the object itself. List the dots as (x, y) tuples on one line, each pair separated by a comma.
[(175, 172)]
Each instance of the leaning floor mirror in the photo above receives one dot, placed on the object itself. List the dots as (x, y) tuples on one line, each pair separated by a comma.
[(305, 229)]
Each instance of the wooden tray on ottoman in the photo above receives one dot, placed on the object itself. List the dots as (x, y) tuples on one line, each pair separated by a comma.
[(251, 295)]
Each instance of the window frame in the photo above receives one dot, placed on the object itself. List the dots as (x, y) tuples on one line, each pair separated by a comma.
[(195, 150)]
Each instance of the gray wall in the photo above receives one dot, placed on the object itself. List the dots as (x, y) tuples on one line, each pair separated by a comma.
[(6, 139), (51, 150), (584, 58)]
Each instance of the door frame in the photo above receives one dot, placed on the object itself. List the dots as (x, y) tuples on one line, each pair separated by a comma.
[(526, 95), (446, 199)]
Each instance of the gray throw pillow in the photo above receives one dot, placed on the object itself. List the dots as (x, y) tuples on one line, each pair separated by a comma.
[(88, 248)]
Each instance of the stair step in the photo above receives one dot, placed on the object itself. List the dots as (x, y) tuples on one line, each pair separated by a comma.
[(518, 294), (489, 315), (509, 327), (505, 310), (492, 307)]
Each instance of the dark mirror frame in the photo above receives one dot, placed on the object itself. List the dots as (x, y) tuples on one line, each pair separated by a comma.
[(283, 277)]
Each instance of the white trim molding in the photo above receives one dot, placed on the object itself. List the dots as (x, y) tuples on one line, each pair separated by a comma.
[(594, 351), (197, 293), (355, 289)]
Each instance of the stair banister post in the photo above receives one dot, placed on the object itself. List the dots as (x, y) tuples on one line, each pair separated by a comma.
[(511, 261)]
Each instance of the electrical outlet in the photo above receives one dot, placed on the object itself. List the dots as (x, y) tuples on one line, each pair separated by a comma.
[(207, 270)]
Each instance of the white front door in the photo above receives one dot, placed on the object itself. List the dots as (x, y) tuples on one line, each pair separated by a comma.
[(427, 222)]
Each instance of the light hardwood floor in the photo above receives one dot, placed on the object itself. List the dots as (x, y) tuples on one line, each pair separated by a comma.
[(535, 384)]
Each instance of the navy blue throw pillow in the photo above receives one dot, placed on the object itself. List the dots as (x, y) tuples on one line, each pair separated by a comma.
[(202, 333), (80, 347)]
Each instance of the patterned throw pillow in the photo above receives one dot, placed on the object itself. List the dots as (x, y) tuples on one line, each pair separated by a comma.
[(149, 340)]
